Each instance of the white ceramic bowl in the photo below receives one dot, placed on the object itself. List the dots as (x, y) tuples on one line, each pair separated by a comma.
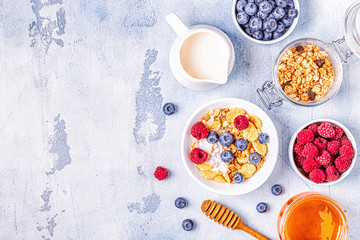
[(291, 154), (260, 176), (287, 33)]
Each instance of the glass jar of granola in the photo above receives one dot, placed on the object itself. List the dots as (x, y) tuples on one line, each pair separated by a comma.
[(308, 72)]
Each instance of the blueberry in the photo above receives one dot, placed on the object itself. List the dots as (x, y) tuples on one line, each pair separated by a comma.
[(261, 15), (169, 108), (226, 156), (262, 207), (180, 202), (270, 25), (226, 139), (254, 158), (241, 144), (255, 24), (257, 2), (251, 1), (263, 138), (292, 13), (280, 28), (291, 4), (271, 15), (272, 2), (251, 8), (213, 137), (258, 35), (276, 35), (267, 36), (187, 225), (276, 189), (240, 5), (238, 177), (248, 31), (265, 7), (242, 17), (281, 3), (287, 21), (279, 13)]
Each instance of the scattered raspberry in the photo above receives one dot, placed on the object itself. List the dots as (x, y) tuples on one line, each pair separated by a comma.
[(298, 148), (310, 164), (299, 161), (198, 156), (332, 174), (324, 158), (326, 130), (241, 122), (161, 173), (333, 147), (317, 176), (314, 128), (305, 136), (199, 131), (320, 143), (346, 142), (338, 132), (310, 150), (346, 152), (342, 164)]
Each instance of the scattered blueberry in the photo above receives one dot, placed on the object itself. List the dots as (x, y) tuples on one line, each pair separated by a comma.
[(238, 177), (292, 13), (279, 13), (276, 35), (255, 24), (251, 8), (281, 3), (270, 25), (241, 144), (262, 207), (240, 5), (263, 138), (258, 35), (169, 108), (226, 156), (280, 28), (276, 189), (242, 17), (213, 137), (226, 139), (187, 224), (262, 15), (257, 2), (180, 202), (291, 4), (265, 7), (287, 21), (267, 36), (254, 158)]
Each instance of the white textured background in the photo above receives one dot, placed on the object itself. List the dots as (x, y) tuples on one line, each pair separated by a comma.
[(82, 84)]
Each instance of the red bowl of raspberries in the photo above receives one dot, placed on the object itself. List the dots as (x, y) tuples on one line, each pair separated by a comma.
[(322, 152)]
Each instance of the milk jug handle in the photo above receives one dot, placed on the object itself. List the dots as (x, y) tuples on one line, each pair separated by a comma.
[(177, 25)]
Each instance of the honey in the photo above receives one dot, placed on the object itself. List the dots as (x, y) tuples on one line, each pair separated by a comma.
[(312, 216)]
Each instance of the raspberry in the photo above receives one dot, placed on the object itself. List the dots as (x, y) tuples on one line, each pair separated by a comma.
[(346, 142), (241, 122), (331, 163), (324, 158), (298, 148), (198, 156), (333, 147), (320, 143), (332, 174), (199, 131), (317, 176), (305, 136), (310, 164), (314, 128), (299, 161), (310, 150), (338, 132), (161, 173), (342, 164), (326, 130), (346, 152)]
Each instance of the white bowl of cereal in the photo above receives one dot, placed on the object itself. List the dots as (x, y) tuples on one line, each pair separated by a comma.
[(215, 172)]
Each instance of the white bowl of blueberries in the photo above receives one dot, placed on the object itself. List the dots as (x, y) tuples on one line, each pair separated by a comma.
[(266, 21)]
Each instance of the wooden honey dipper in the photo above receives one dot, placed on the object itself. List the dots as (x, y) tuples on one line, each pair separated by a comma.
[(228, 218)]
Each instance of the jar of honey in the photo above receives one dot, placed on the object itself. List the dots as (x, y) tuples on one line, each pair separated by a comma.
[(312, 216)]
